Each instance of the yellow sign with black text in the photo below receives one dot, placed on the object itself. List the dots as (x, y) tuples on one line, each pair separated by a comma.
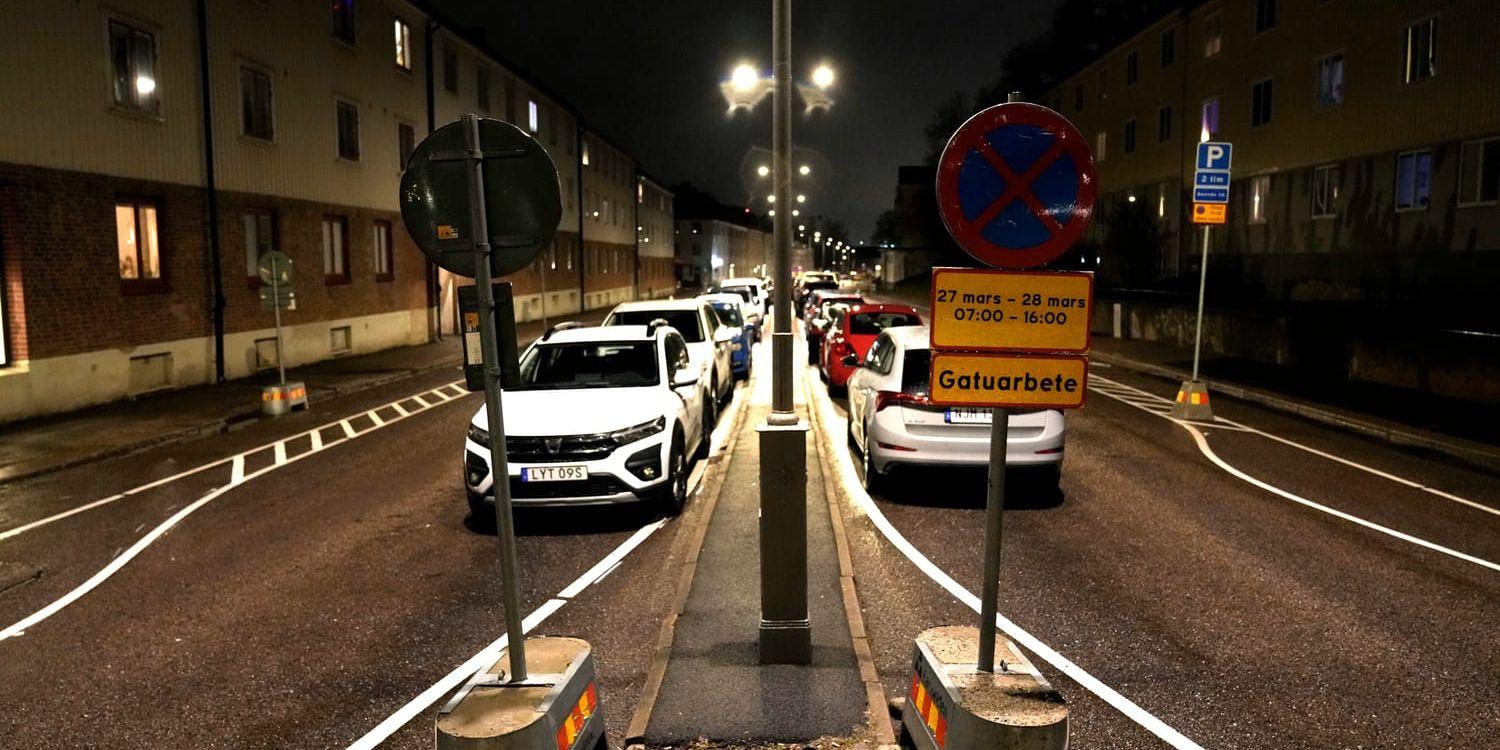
[(1021, 381), (997, 311), (1209, 213)]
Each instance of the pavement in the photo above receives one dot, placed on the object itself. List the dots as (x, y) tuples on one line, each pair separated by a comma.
[(54, 442), (715, 688)]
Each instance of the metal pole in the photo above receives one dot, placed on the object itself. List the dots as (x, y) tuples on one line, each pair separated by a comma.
[(1202, 284), (993, 522), (499, 469), (276, 308), (781, 144)]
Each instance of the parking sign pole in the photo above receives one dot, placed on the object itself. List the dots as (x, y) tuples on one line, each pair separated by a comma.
[(276, 308), (994, 510), (1202, 284), (488, 342)]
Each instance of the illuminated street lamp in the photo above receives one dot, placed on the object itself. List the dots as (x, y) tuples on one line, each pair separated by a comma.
[(771, 198), (763, 171), (744, 78), (801, 198), (804, 170), (822, 77)]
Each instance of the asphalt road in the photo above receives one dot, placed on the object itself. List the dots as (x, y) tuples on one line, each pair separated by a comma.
[(1234, 613), (310, 592)]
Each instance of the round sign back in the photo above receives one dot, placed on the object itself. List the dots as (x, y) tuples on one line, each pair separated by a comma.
[(1016, 185), (274, 264), (521, 194)]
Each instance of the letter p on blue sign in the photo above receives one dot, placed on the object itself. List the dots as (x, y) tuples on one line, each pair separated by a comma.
[(1214, 155)]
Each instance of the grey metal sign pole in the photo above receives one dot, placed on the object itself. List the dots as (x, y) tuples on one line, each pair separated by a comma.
[(785, 631), (276, 298), (1202, 284), (499, 468)]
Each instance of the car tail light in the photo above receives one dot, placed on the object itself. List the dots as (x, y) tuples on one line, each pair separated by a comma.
[(894, 447), (899, 398), (1046, 451), (842, 349)]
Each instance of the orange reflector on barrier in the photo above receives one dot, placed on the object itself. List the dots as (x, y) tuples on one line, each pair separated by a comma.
[(573, 725)]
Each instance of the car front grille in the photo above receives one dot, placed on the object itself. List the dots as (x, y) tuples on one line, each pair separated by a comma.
[(594, 486), (540, 450)]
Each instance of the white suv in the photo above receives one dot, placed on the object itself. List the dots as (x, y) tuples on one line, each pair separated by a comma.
[(709, 343), (602, 415)]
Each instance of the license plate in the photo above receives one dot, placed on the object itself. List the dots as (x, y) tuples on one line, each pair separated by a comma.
[(554, 473), (960, 415)]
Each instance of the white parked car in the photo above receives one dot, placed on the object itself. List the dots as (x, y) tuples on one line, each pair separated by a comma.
[(893, 423), (753, 287), (602, 415), (709, 343)]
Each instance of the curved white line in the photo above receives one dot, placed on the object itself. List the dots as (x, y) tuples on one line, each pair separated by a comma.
[(1204, 448), (862, 499)]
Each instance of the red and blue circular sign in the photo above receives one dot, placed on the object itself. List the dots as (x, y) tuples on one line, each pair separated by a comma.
[(1016, 185)]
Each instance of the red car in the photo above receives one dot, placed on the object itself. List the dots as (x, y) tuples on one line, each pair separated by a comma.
[(855, 330)]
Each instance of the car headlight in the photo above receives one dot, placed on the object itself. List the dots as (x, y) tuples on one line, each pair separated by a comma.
[(639, 432), (479, 434)]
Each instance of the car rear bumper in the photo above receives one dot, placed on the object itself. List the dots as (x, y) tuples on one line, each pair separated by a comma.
[(893, 444)]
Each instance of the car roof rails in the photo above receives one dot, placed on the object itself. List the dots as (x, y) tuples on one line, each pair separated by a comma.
[(567, 325), (655, 324)]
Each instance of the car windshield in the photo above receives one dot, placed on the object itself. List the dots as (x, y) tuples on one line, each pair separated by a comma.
[(729, 314), (813, 286), (592, 364), (743, 291), (685, 321), (914, 371), (872, 323)]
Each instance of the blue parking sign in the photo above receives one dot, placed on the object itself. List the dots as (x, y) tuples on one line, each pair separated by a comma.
[(1214, 155), (1211, 179)]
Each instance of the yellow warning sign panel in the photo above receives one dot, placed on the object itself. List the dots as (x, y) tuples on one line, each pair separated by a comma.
[(1022, 381), (992, 310), (1209, 213)]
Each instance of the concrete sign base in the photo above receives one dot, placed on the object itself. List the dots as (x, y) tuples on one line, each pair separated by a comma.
[(954, 706), (555, 708), (276, 400), (1192, 402)]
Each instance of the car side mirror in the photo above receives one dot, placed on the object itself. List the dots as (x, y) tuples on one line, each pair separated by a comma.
[(682, 379), (850, 360), (724, 334)]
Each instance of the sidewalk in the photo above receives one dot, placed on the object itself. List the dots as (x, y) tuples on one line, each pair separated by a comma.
[(54, 442), (714, 687)]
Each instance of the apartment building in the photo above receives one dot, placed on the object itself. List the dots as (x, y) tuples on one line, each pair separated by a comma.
[(655, 239), (712, 249), (1367, 147), (156, 148)]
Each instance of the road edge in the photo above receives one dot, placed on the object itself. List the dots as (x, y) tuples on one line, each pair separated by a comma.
[(1473, 453), (712, 486)]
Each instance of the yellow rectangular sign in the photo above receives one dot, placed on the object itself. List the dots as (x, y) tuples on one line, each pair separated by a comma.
[(1209, 213), (997, 311), (1022, 381)]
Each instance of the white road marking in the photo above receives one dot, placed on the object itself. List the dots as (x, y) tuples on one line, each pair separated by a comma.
[(317, 439), (237, 470), (348, 428), (280, 453), (141, 544), (862, 499), (399, 408), (375, 418), (418, 398)]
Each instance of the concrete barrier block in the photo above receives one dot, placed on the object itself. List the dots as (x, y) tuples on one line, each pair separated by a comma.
[(953, 706)]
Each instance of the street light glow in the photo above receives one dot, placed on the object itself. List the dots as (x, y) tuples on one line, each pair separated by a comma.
[(744, 78), (795, 212), (763, 170), (801, 198), (804, 170), (823, 76), (772, 212), (771, 198)]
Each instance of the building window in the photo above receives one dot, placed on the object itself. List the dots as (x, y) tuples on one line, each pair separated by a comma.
[(1210, 119), (1132, 68), (260, 229), (482, 89), (381, 246), (1331, 80), (1103, 83), (403, 45), (343, 20), (1260, 103), (1325, 191), (137, 243), (1479, 173), (1100, 141), (1130, 136), (533, 119), (335, 250), (1078, 98), (450, 69), (348, 130), (510, 100), (1260, 192), (585, 152), (1168, 47), (256, 117), (132, 55), (406, 142), (1265, 15), (1164, 124), (1213, 34), (1421, 50), (1413, 180)]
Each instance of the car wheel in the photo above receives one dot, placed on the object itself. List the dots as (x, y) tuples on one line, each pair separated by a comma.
[(709, 419), (482, 511), (874, 481), (673, 497)]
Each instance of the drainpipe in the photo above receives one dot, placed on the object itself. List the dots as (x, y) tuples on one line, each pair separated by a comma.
[(434, 293), (214, 261), (636, 280), (578, 194)]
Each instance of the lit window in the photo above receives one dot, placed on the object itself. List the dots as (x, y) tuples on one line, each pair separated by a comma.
[(533, 116), (256, 118), (1210, 119), (1260, 192), (335, 250), (381, 247), (1421, 50), (1213, 34), (258, 240), (136, 241), (403, 45), (1100, 141), (585, 153), (1331, 80), (1325, 191), (1260, 103), (348, 130), (1479, 173), (1413, 180), (132, 54)]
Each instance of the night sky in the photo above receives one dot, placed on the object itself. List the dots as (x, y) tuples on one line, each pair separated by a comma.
[(646, 76)]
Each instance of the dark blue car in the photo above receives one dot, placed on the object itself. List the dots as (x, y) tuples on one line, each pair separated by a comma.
[(727, 307)]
